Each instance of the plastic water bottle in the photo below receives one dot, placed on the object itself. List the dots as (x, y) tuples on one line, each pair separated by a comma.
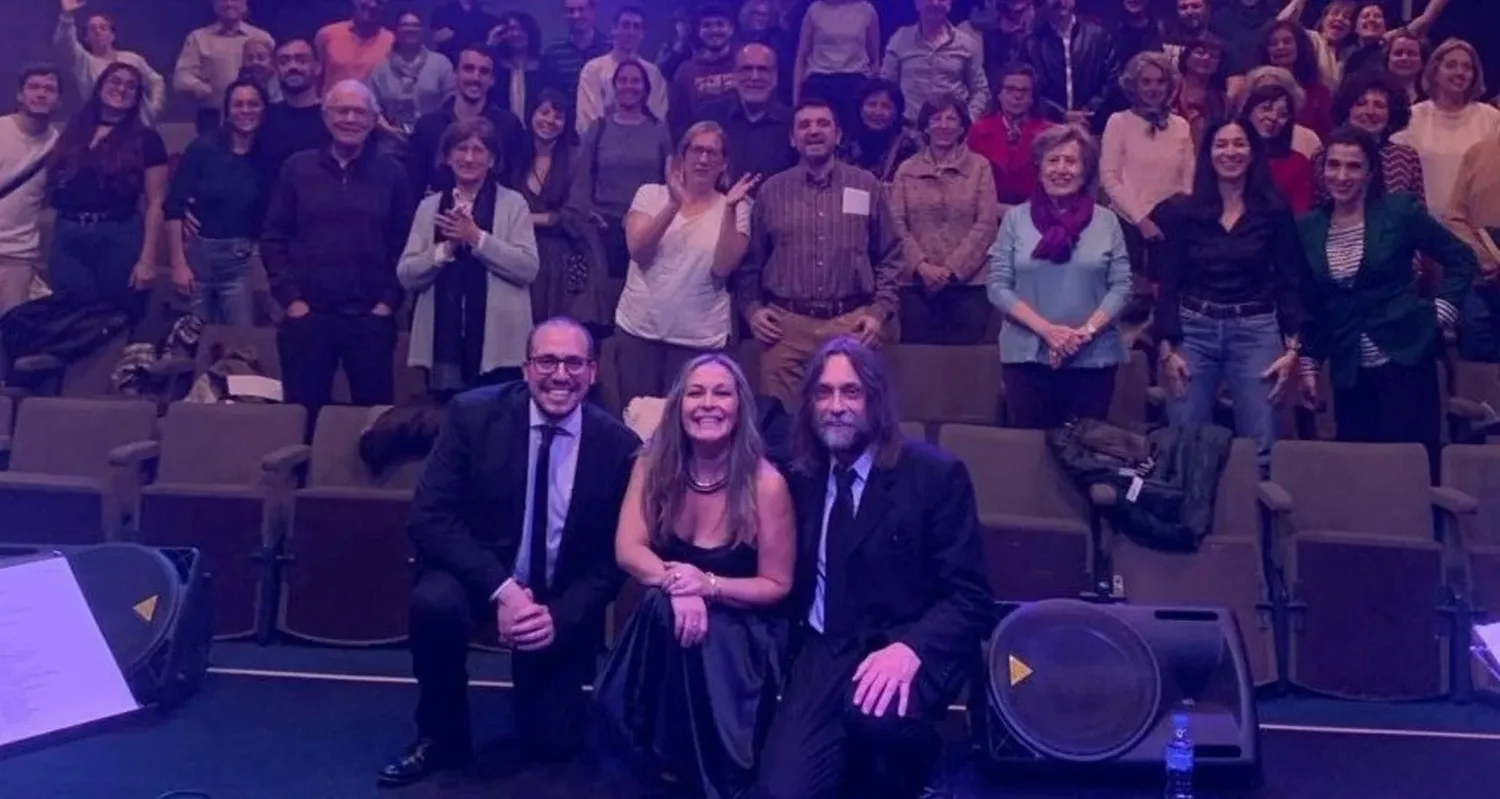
[(1179, 758)]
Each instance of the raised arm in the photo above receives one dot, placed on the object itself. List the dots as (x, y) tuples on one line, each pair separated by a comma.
[(1423, 23), (650, 215), (799, 65), (734, 238)]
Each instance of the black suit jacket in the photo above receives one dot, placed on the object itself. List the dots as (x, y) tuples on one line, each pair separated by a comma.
[(470, 504), (917, 564)]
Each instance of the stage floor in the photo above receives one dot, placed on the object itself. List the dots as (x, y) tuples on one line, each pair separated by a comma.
[(273, 724)]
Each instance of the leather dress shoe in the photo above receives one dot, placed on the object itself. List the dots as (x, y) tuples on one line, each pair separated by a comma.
[(420, 761)]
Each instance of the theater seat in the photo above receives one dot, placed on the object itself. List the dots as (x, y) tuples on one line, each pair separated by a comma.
[(89, 376), (223, 485), (1474, 470), (1226, 571), (1365, 571), (72, 468), (947, 384), (1037, 536), (348, 573)]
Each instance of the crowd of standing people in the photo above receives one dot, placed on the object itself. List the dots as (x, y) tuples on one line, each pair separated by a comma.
[(1260, 201)]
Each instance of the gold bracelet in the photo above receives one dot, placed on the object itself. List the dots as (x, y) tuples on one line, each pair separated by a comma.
[(715, 590)]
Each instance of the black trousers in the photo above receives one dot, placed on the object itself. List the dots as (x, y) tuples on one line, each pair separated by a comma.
[(1394, 404), (955, 315), (313, 347), (1038, 397), (821, 745), (549, 701)]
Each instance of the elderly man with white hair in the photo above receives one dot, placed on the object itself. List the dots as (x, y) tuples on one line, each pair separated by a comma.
[(335, 227)]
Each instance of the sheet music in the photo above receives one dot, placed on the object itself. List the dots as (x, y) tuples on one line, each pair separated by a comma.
[(56, 670)]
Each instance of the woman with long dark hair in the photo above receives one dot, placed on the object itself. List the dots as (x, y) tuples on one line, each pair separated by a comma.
[(1203, 83), (215, 207), (571, 279), (1287, 45), (1367, 318), (1228, 311), (107, 179), (707, 527), (1267, 117)]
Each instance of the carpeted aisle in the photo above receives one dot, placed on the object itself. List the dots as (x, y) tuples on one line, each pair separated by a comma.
[(251, 737)]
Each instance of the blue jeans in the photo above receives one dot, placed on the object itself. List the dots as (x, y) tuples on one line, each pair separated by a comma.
[(221, 273), (92, 261), (1234, 353)]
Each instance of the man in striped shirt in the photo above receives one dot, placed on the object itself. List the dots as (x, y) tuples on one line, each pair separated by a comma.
[(824, 255)]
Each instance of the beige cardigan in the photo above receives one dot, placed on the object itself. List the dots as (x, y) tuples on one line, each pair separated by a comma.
[(508, 251)]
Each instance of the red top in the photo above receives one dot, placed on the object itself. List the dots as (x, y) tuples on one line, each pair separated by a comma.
[(1293, 175), (1015, 172), (1317, 110)]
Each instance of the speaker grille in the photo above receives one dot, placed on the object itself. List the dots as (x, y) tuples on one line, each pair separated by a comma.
[(134, 593), (1073, 682)]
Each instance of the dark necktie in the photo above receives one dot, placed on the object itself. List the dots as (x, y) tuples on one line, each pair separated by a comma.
[(838, 611), (537, 572)]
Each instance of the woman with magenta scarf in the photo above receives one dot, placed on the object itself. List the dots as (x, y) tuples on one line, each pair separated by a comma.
[(1060, 273)]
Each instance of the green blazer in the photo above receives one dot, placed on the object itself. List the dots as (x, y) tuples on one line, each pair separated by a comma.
[(1383, 302)]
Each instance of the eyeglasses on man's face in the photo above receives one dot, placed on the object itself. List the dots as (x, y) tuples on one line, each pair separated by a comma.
[(547, 364)]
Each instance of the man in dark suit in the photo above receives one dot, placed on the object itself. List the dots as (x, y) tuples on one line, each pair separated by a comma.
[(889, 595), (513, 524)]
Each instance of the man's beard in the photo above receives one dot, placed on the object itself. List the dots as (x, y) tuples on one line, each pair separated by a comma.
[(839, 438)]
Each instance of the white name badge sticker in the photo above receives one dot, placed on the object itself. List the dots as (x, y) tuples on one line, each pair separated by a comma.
[(857, 202)]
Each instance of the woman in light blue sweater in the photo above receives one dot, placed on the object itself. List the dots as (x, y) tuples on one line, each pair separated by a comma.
[(471, 257), (1060, 273)]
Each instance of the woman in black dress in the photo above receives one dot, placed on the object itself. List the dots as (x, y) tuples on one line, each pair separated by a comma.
[(707, 527)]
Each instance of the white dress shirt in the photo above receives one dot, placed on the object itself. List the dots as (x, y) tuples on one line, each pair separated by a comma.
[(563, 468), (861, 469)]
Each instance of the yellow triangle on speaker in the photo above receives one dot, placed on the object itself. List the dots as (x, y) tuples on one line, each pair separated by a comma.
[(146, 609), (1019, 671)]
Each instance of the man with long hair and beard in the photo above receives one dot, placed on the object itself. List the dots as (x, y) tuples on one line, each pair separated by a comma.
[(889, 593)]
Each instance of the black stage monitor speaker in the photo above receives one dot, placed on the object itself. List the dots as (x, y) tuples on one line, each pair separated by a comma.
[(153, 609), (1087, 691)]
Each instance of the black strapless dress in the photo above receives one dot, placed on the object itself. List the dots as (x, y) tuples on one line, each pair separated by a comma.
[(699, 714)]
